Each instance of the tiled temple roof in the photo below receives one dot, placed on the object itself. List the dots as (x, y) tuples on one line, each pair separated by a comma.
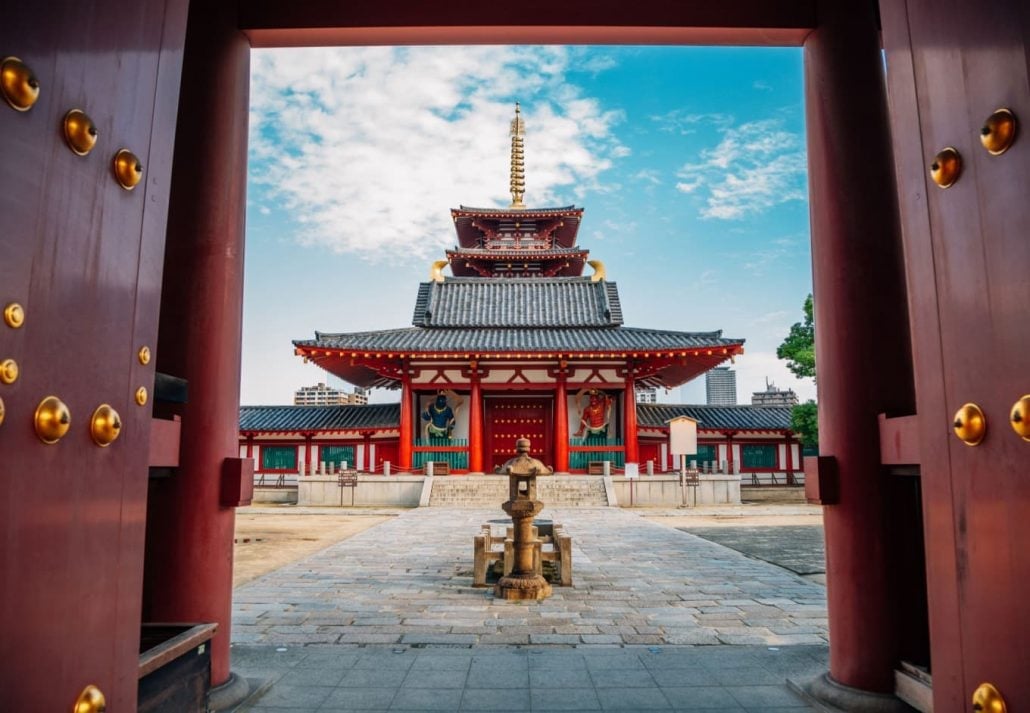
[(517, 302), (297, 419), (517, 211), (319, 418), (553, 339), (743, 418), (553, 253)]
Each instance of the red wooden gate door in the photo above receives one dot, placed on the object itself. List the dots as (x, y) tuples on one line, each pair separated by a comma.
[(508, 419), (950, 66), (81, 257)]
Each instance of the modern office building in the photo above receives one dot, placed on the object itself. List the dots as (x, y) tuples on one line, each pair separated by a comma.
[(721, 387)]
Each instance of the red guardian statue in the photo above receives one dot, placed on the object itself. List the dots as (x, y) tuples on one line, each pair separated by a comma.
[(594, 414), (438, 417)]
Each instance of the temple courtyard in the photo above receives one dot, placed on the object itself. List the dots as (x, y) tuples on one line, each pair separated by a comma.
[(658, 617)]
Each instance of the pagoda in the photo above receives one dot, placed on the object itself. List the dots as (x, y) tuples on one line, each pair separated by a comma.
[(517, 343)]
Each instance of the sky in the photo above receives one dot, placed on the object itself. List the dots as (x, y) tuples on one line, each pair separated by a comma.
[(689, 162)]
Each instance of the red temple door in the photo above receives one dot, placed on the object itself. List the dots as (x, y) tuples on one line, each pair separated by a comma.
[(385, 451), (82, 256), (511, 418), (950, 65)]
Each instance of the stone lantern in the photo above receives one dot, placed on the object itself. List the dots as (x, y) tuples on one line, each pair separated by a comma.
[(522, 505)]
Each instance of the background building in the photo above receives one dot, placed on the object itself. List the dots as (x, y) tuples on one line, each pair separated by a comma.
[(721, 387), (773, 396), (322, 395), (647, 395)]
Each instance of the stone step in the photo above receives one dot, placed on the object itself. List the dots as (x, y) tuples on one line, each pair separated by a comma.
[(492, 490)]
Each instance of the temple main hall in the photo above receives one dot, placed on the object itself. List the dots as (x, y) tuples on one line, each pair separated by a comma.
[(516, 342)]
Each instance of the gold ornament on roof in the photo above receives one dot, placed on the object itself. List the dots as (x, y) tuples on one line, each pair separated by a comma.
[(518, 158), (436, 270)]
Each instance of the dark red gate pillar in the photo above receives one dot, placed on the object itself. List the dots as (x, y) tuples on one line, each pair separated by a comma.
[(860, 306), (190, 535)]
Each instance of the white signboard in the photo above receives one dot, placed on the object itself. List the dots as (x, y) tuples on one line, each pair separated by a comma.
[(632, 471), (683, 436)]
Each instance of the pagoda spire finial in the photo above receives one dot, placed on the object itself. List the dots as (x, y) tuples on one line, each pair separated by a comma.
[(518, 166)]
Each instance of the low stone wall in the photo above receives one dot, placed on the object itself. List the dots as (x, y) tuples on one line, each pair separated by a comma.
[(280, 496), (778, 494), (401, 491), (665, 491)]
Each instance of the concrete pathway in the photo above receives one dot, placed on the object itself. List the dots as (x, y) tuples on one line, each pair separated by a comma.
[(681, 678), (408, 582)]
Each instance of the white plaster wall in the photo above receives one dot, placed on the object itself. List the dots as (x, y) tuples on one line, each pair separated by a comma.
[(665, 491), (371, 491)]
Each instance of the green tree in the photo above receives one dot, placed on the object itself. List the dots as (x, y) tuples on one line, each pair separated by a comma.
[(798, 349), (804, 421)]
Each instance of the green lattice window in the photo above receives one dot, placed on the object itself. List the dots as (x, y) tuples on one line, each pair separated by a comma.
[(758, 456), (457, 459), (580, 460), (706, 453), (279, 458), (337, 455)]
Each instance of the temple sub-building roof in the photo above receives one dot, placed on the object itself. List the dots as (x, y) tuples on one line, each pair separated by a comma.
[(552, 302)]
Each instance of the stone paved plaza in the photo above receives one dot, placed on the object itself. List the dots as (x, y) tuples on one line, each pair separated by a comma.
[(407, 582)]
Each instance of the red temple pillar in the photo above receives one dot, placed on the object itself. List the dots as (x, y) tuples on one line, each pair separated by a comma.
[(309, 454), (789, 461), (189, 532), (406, 427), (630, 420), (475, 424), (860, 301), (561, 424), (729, 451), (367, 460)]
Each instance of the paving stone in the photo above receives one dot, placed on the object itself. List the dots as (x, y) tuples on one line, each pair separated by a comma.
[(629, 678), (560, 678), (359, 699), (564, 699), (304, 697), (484, 699), (758, 697), (632, 699), (373, 678), (497, 678), (421, 699)]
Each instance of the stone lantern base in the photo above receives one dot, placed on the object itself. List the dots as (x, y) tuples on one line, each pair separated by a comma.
[(522, 587)]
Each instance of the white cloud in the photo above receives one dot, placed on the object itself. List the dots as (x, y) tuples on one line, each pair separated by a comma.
[(367, 147), (591, 62), (649, 175), (754, 167), (761, 86), (688, 186), (679, 121)]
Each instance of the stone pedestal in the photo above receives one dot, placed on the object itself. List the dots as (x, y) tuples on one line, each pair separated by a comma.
[(522, 470)]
